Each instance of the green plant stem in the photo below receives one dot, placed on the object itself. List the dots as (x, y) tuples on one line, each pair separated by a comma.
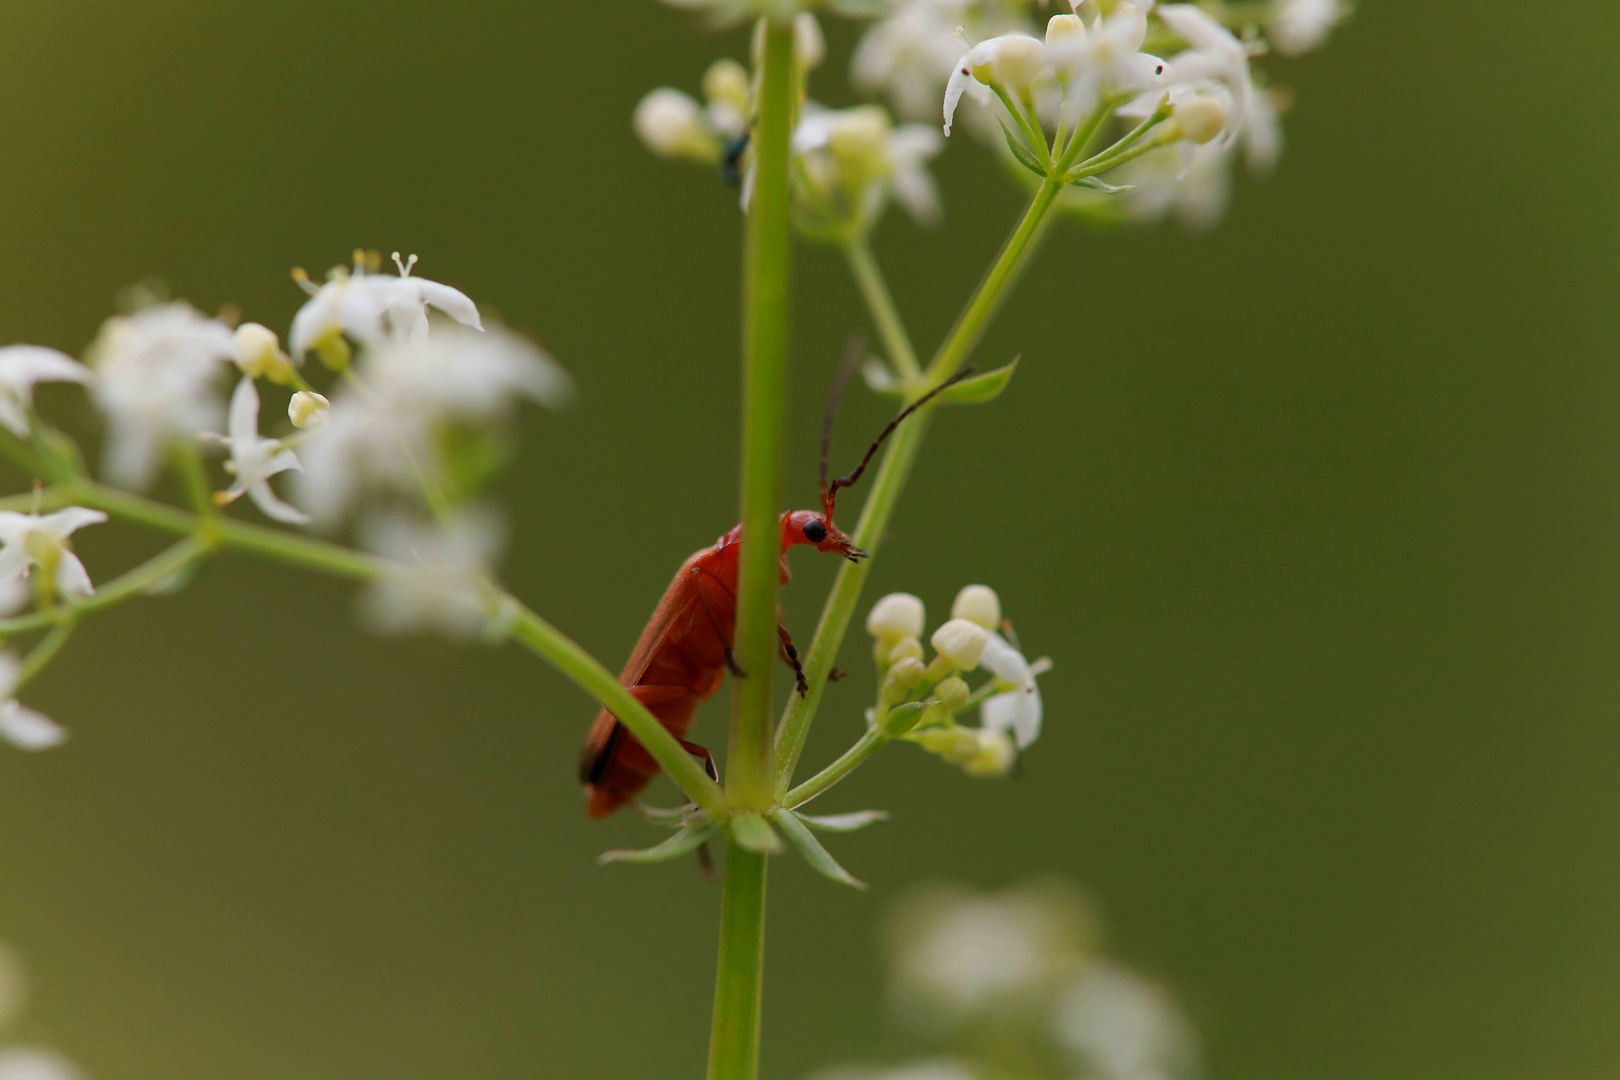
[(1100, 164), (528, 628), (885, 316), (44, 652), (765, 325), (734, 1039), (891, 478), (847, 762)]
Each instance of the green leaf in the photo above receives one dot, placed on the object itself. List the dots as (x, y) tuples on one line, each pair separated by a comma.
[(860, 819), (1093, 182), (980, 388), (687, 840), (673, 817), (814, 854), (902, 718), (1022, 152), (754, 833)]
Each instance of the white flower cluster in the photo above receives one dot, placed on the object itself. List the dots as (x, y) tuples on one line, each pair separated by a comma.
[(724, 12), (1020, 975), (849, 163), (414, 425), (1010, 708), (1125, 55)]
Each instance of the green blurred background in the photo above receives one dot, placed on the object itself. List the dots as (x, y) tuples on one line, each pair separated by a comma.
[(1319, 515)]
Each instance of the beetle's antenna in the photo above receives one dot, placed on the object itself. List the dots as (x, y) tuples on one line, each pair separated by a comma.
[(853, 351), (829, 492)]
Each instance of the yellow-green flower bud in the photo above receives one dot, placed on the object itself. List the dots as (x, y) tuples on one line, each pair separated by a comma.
[(956, 745), (1064, 30), (896, 616), (961, 643), (978, 604), (1013, 61), (727, 81), (952, 694), (994, 755), (671, 125), (308, 409), (859, 139), (1200, 118), (809, 47), (904, 676), (259, 355), (904, 649)]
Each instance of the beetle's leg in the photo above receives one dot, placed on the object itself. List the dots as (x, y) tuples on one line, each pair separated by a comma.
[(791, 655), (703, 754), (714, 621)]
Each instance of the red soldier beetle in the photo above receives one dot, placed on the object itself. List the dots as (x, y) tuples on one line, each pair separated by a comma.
[(685, 650)]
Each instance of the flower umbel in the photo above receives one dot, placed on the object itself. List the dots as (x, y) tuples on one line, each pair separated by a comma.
[(255, 459)]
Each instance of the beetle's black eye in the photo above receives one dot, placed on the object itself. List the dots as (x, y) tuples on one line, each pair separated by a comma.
[(815, 531)]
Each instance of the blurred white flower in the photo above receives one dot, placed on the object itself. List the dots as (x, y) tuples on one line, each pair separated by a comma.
[(21, 366), (255, 459), (1162, 183), (673, 125), (942, 1068), (895, 616), (1214, 55), (376, 308), (157, 373), (379, 431), (34, 541), (1107, 59), (957, 955), (1121, 1027), (858, 158), (439, 574), (21, 726), (723, 12), (1017, 710), (25, 1064), (910, 55), (1298, 26), (978, 604)]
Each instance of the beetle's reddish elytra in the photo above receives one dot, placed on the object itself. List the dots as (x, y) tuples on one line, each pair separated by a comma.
[(685, 650)]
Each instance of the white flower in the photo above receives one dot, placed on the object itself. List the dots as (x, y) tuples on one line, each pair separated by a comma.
[(375, 309), (1013, 61), (21, 726), (31, 540), (259, 355), (255, 459), (1121, 1027), (22, 1064), (439, 575), (911, 54), (857, 158), (156, 377), (1018, 709), (1215, 55), (723, 12), (379, 432), (21, 366), (1298, 26), (1162, 182), (1107, 59)]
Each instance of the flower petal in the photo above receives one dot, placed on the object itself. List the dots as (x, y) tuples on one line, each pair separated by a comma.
[(29, 730)]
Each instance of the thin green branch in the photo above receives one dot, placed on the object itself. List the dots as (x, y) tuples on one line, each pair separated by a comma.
[(847, 762), (734, 1040), (44, 652), (885, 316), (128, 585)]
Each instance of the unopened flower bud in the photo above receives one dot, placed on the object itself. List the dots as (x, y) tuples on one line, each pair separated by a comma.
[(907, 648), (727, 81), (308, 409), (1013, 61), (1201, 118), (898, 615), (904, 676), (952, 694), (1064, 30), (809, 47), (978, 604), (994, 756), (671, 125), (961, 643), (259, 355), (956, 745)]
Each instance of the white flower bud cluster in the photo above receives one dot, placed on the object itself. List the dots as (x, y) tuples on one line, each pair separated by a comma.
[(1009, 704)]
